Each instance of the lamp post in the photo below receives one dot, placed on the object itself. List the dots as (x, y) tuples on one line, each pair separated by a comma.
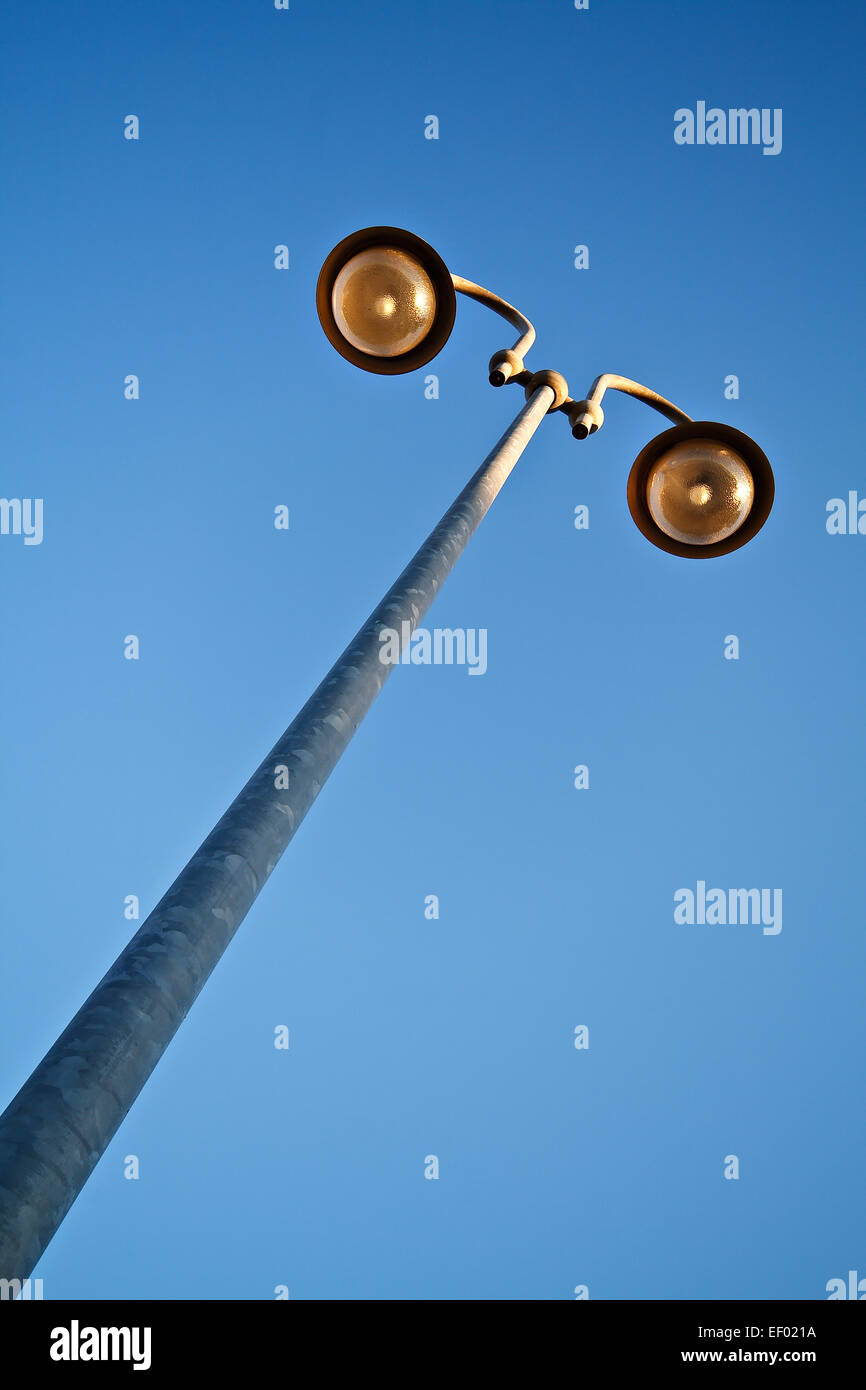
[(387, 302)]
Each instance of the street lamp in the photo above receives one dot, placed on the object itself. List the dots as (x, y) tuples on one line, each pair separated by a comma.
[(387, 302), (700, 489)]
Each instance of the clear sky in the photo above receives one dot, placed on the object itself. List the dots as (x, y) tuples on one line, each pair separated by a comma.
[(454, 1037)]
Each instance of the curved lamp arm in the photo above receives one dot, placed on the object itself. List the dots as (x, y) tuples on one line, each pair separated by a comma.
[(587, 416), (508, 363)]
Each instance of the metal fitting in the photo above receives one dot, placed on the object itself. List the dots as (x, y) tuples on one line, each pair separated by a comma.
[(504, 365), (585, 417), (555, 380)]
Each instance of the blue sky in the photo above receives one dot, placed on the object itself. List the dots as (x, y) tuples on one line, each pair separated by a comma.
[(558, 1167)]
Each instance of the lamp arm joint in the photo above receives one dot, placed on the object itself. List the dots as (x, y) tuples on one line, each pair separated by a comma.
[(587, 416), (508, 364)]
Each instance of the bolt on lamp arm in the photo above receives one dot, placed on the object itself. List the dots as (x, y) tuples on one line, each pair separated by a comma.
[(587, 416), (507, 364)]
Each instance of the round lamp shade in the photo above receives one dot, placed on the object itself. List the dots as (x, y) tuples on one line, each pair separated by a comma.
[(386, 300), (700, 489)]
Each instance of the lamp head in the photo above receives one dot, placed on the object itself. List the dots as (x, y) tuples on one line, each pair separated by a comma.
[(700, 489), (386, 300)]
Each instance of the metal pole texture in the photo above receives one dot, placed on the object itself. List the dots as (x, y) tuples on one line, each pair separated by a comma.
[(56, 1129)]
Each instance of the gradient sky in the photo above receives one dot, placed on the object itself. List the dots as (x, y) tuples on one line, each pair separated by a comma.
[(558, 1167)]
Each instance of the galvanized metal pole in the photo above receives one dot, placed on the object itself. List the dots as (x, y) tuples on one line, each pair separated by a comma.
[(56, 1129)]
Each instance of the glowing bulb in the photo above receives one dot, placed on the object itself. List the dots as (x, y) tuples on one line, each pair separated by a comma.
[(383, 301), (700, 491)]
